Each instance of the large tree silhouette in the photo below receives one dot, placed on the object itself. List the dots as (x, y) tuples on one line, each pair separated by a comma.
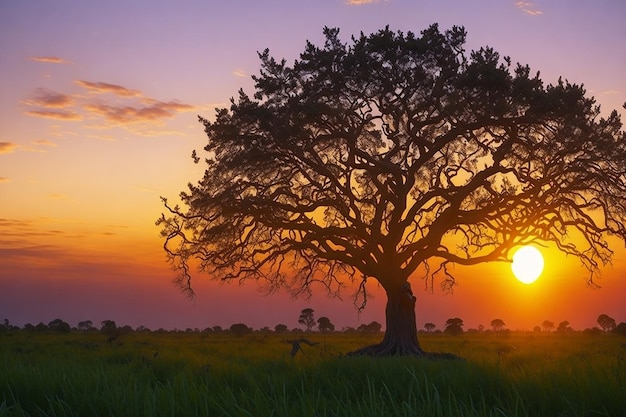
[(394, 156)]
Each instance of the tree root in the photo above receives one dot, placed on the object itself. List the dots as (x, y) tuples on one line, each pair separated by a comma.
[(380, 350)]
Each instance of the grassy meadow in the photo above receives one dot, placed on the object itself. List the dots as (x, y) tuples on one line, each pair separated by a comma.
[(194, 374)]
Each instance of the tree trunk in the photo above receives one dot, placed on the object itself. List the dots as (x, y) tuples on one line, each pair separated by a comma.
[(401, 329)]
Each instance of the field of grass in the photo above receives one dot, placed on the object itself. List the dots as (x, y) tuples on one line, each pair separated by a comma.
[(224, 375)]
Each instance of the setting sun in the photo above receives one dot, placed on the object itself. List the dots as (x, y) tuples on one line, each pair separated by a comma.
[(527, 264)]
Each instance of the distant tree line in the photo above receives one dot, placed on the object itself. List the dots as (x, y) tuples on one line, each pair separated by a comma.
[(453, 326)]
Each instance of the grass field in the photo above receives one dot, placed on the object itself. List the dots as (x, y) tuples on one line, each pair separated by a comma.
[(191, 374)]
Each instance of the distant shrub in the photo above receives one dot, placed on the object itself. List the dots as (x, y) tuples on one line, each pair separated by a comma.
[(239, 329), (620, 329), (59, 326), (594, 331)]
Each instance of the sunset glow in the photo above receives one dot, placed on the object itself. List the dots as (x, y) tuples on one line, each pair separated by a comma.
[(98, 119), (527, 264)]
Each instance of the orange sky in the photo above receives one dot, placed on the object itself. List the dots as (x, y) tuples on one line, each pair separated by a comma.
[(98, 118)]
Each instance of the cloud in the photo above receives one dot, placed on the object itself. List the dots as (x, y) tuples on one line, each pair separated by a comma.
[(154, 111), (4, 179), (528, 8), (58, 196), (128, 109), (45, 142), (50, 59), (49, 99), (239, 73), (360, 2), (55, 114), (99, 87), (7, 147), (52, 105), (609, 92)]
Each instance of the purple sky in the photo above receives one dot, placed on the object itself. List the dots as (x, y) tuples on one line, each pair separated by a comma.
[(98, 106)]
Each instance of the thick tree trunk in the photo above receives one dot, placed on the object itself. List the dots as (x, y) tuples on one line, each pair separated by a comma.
[(401, 331)]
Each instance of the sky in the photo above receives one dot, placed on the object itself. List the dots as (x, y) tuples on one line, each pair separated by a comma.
[(98, 119)]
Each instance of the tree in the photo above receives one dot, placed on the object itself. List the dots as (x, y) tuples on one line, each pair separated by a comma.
[(325, 325), (85, 325), (239, 329), (547, 325), (59, 326), (429, 327), (280, 328), (564, 327), (108, 327), (307, 319), (620, 329), (607, 323), (41, 327), (396, 156), (371, 328), (454, 326), (497, 325)]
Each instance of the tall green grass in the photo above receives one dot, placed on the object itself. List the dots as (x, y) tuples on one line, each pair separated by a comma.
[(222, 375)]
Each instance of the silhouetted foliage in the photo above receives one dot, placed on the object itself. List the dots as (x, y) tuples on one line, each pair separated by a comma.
[(324, 325), (41, 327), (547, 325), (430, 327), (593, 331), (393, 152), (6, 326), (454, 326), (607, 323), (620, 329), (281, 328), (307, 318), (564, 327), (59, 326), (85, 325), (108, 327), (371, 328), (239, 329), (497, 325)]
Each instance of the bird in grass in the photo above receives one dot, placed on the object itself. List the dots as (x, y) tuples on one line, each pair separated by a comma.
[(296, 345)]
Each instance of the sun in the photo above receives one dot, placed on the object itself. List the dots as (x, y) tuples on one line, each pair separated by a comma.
[(527, 264)]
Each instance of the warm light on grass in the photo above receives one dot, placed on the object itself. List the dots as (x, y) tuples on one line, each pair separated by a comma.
[(522, 374)]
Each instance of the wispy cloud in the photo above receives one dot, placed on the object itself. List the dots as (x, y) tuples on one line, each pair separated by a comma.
[(58, 196), (45, 142), (609, 93), (55, 114), (50, 59), (129, 108), (7, 147), (4, 179), (38, 146), (99, 87), (239, 73), (528, 7), (43, 97), (154, 111), (361, 2)]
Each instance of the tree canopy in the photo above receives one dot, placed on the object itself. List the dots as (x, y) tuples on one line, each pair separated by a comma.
[(394, 153)]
